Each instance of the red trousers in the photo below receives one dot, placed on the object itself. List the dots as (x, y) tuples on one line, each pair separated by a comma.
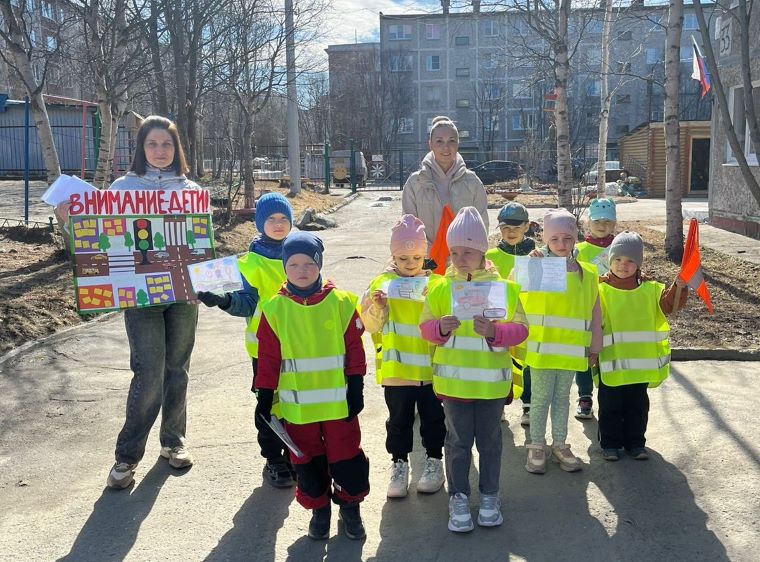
[(333, 458)]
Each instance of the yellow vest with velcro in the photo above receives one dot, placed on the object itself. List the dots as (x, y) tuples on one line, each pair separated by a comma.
[(312, 385), (636, 347), (503, 261), (266, 276), (559, 324), (404, 354), (466, 366), (591, 254)]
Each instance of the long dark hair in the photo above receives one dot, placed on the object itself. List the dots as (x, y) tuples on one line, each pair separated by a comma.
[(139, 162)]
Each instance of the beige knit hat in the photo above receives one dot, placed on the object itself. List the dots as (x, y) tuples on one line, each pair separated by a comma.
[(468, 230)]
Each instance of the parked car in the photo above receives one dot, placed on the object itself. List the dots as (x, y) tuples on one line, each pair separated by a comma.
[(497, 171), (612, 169)]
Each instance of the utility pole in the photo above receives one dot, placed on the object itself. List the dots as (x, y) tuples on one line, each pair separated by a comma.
[(294, 139)]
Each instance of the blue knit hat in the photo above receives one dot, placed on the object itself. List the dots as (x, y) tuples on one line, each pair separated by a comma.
[(269, 204), (602, 209), (302, 242)]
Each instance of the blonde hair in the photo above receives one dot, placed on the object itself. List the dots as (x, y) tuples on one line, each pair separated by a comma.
[(443, 121)]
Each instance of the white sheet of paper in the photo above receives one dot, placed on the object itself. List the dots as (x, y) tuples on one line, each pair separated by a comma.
[(478, 298), (547, 275), (217, 276), (406, 288), (280, 432), (63, 188), (601, 262)]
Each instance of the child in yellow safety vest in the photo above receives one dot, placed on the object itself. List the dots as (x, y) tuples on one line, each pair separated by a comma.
[(391, 309), (263, 275), (472, 366), (636, 353), (312, 353), (564, 337), (514, 224), (594, 250)]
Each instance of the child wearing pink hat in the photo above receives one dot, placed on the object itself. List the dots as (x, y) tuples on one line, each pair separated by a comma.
[(472, 367), (390, 311)]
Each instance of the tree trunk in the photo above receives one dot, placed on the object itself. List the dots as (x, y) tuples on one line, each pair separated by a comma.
[(45, 134), (562, 123), (175, 14), (246, 157), (155, 53), (199, 169), (674, 216), (105, 148), (604, 114)]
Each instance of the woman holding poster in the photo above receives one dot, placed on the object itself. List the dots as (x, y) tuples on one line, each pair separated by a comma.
[(161, 338)]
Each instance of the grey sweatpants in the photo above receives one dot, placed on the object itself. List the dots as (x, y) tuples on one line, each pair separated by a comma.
[(476, 422), (550, 390)]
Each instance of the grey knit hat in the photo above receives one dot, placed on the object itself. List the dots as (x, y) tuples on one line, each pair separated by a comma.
[(628, 245)]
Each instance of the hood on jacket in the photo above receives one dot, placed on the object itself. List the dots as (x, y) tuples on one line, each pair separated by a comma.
[(153, 179)]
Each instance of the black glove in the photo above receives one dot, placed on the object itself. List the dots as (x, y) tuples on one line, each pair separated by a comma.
[(211, 299), (354, 395), (264, 399)]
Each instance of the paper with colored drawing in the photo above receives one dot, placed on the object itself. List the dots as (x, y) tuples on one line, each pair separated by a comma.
[(217, 276), (406, 288), (601, 261), (478, 298), (548, 275)]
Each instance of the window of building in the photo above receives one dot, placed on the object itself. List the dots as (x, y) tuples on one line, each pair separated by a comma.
[(400, 63), (491, 91), (462, 72), (33, 37), (656, 115), (686, 54), (739, 121), (623, 98), (625, 36), (432, 31), (491, 123), (48, 10), (490, 28), (521, 90), (690, 22), (490, 61), (464, 134), (624, 66), (654, 56), (463, 102), (462, 41), (51, 43), (594, 88), (595, 26), (522, 121), (433, 95), (433, 62), (622, 129), (399, 32), (405, 125), (594, 56)]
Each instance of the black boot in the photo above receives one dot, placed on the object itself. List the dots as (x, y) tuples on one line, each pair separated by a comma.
[(319, 526), (279, 474), (352, 522)]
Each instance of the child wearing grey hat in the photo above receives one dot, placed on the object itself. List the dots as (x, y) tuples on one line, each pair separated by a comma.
[(635, 354)]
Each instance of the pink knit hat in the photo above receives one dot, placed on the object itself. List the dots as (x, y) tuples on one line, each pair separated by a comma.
[(408, 237), (559, 221), (467, 230)]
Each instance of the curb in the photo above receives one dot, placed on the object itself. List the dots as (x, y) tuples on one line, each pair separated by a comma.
[(705, 354)]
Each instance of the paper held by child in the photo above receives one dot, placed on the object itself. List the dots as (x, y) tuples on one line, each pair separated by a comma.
[(478, 298), (280, 432), (601, 261), (63, 188), (406, 288), (547, 275), (217, 276)]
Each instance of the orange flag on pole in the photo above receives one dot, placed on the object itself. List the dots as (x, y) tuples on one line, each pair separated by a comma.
[(439, 251), (691, 265)]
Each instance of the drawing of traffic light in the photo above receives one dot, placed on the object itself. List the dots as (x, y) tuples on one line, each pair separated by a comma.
[(144, 238)]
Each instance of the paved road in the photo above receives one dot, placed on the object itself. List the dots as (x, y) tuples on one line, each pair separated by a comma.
[(62, 402)]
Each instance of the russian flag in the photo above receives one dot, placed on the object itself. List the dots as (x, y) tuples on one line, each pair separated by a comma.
[(699, 69)]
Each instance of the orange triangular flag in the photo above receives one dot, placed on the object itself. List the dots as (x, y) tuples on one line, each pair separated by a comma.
[(691, 265), (439, 251)]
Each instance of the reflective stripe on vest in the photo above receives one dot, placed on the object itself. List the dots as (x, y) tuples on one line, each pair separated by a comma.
[(546, 348), (266, 276), (559, 322), (408, 330), (636, 349), (465, 366), (312, 385), (415, 359)]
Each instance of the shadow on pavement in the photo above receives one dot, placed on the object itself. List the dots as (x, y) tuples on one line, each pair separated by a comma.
[(111, 530), (255, 527), (338, 547)]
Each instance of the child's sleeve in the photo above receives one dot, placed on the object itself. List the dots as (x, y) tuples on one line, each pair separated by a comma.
[(244, 301), (270, 356), (596, 327), (373, 316), (668, 299), (356, 360), (513, 332), (429, 326)]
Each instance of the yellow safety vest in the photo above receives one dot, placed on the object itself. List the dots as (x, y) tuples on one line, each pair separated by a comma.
[(466, 366), (594, 255), (559, 324), (503, 261), (403, 354), (266, 276), (312, 385), (636, 347)]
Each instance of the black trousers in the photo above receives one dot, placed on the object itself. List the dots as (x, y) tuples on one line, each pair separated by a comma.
[(272, 448), (623, 415), (401, 402)]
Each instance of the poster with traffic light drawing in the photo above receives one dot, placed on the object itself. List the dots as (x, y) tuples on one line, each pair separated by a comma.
[(132, 248)]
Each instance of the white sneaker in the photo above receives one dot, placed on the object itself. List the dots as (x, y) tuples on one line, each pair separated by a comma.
[(179, 457), (562, 454), (399, 483), (489, 514), (121, 476), (536, 462), (460, 518), (432, 476)]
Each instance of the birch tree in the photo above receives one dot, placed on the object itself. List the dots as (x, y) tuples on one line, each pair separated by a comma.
[(673, 213)]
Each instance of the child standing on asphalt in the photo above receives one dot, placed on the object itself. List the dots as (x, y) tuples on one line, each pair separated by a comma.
[(514, 224), (471, 369), (565, 336), (407, 370), (263, 275), (594, 250), (636, 352), (311, 352)]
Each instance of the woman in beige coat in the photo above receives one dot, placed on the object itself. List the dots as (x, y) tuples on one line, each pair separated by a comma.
[(443, 178)]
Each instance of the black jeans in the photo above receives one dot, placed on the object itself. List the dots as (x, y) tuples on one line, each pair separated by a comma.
[(272, 448), (399, 427), (623, 415)]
